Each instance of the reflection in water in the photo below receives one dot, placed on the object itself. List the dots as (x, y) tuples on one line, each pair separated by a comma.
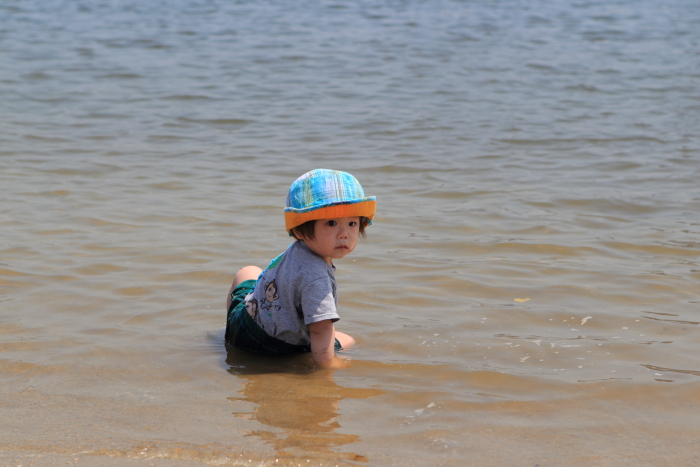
[(291, 396)]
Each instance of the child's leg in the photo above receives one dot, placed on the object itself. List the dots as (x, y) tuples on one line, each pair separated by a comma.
[(246, 273), (345, 340)]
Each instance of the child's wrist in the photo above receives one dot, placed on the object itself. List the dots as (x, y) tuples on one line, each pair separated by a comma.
[(322, 357)]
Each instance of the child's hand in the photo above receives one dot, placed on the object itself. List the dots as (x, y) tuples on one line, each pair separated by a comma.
[(323, 346), (334, 363)]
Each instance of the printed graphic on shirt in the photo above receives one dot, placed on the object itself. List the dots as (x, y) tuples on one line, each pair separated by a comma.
[(266, 303), (251, 305)]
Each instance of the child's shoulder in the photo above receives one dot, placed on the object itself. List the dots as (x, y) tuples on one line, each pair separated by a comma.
[(300, 253), (298, 265), (298, 257)]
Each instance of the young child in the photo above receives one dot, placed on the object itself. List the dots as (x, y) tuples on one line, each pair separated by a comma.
[(290, 307)]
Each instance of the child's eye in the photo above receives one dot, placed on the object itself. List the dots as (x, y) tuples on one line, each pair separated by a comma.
[(332, 223), (353, 224)]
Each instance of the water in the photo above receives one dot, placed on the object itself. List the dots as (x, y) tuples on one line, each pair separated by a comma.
[(527, 295)]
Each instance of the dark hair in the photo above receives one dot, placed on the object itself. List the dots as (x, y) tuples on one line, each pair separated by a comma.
[(306, 230)]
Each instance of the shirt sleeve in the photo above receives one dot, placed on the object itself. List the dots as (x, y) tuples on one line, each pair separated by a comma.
[(317, 301)]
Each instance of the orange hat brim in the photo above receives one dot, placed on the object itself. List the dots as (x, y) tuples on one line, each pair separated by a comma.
[(363, 209)]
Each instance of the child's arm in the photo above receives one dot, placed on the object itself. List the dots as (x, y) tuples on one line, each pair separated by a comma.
[(322, 336)]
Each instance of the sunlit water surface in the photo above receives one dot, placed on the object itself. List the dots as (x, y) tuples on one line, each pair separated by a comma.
[(527, 295)]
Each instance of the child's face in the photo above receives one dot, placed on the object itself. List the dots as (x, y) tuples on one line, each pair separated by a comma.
[(335, 238)]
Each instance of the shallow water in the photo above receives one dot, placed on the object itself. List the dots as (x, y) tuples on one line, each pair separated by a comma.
[(527, 295)]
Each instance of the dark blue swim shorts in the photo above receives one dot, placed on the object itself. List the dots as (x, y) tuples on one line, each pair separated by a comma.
[(243, 333)]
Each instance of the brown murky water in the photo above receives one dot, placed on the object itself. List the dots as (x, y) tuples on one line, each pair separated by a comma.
[(528, 294)]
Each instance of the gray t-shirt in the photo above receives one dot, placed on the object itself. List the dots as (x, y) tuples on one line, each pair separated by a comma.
[(297, 288)]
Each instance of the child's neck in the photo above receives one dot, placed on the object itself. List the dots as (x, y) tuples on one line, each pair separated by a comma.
[(328, 260)]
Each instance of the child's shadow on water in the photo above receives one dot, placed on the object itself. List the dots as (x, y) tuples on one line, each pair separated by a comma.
[(291, 396)]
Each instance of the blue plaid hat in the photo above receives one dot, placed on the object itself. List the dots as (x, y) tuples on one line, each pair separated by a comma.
[(326, 194)]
